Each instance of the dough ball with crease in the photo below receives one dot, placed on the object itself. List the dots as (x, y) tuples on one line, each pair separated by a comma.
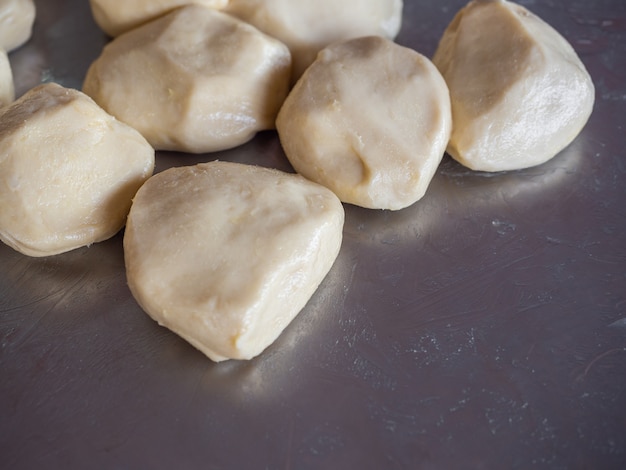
[(16, 23), (195, 80), (68, 171), (226, 254), (7, 87), (370, 120), (307, 26), (115, 17), (519, 92)]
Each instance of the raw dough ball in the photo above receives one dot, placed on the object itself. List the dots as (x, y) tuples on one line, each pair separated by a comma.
[(68, 171), (226, 254), (116, 16), (16, 23), (308, 26), (519, 92), (7, 90), (370, 120), (195, 80)]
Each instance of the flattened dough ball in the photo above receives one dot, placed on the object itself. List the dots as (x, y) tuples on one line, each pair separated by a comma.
[(7, 88), (16, 23), (68, 171), (519, 92), (308, 26), (118, 16), (195, 80), (370, 120), (226, 254)]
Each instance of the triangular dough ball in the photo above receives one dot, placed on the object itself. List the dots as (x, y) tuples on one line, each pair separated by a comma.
[(519, 92), (226, 254), (195, 80), (68, 171), (370, 120)]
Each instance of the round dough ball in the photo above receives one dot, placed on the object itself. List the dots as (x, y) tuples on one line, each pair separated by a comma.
[(226, 254), (16, 23), (370, 120), (7, 88), (116, 17), (519, 92), (309, 26), (195, 80), (68, 171)]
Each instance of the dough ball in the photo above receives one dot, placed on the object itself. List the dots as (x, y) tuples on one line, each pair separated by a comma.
[(68, 171), (227, 254), (16, 23), (116, 16), (7, 89), (308, 26), (370, 120), (195, 80), (519, 92)]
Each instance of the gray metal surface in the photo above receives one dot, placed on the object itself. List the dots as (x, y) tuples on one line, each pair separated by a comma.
[(483, 327)]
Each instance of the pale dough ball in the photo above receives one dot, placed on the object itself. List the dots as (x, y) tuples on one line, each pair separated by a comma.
[(118, 16), (68, 171), (16, 23), (7, 89), (308, 26), (370, 120), (226, 254), (195, 80), (519, 92)]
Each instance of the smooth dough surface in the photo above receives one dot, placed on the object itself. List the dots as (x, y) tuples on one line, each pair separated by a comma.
[(195, 80), (7, 88), (115, 17), (68, 171), (16, 23), (306, 27), (370, 120), (519, 92), (226, 254)]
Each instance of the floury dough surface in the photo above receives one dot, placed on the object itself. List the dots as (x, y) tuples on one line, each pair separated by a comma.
[(306, 27), (16, 23), (7, 88), (68, 171), (370, 120), (195, 80), (227, 254), (519, 92), (115, 17)]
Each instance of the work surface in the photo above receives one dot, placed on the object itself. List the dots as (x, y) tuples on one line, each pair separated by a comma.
[(482, 327)]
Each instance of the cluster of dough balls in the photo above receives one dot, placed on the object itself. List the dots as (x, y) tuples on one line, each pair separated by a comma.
[(226, 254), (204, 76), (68, 169)]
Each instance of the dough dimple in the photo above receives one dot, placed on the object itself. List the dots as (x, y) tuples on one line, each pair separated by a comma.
[(195, 80), (519, 92), (370, 120), (68, 171), (226, 254)]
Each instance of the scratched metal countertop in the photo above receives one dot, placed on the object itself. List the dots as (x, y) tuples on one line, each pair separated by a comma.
[(483, 327)]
